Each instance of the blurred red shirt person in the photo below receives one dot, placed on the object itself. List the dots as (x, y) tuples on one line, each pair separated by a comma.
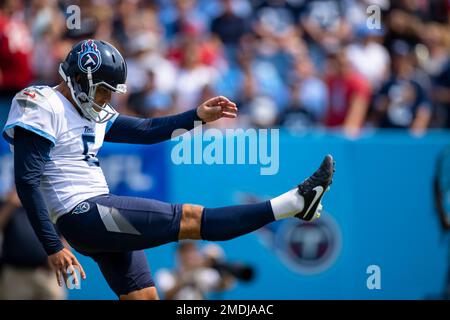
[(349, 94), (15, 49)]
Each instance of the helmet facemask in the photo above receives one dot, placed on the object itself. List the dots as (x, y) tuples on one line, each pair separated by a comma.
[(86, 102)]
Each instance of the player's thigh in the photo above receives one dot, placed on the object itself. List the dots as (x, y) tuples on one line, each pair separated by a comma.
[(127, 273), (116, 223)]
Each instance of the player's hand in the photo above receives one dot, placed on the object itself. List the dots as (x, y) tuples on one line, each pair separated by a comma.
[(216, 108), (65, 265)]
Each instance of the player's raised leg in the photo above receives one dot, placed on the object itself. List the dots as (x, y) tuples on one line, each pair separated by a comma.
[(110, 223), (216, 224), (113, 229)]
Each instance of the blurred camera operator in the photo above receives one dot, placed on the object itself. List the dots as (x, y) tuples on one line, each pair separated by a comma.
[(24, 271), (200, 273)]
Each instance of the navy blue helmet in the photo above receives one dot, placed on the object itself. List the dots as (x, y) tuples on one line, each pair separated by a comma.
[(93, 63)]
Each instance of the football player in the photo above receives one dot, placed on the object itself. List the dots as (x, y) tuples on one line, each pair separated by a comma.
[(56, 133)]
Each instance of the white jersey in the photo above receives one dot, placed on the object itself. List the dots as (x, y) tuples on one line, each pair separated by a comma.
[(72, 174)]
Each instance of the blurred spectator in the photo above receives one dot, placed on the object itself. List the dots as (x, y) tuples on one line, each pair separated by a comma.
[(368, 56), (275, 18), (138, 50), (325, 27), (268, 80), (309, 98), (184, 17), (24, 273), (47, 26), (296, 117), (402, 23), (441, 96), (193, 76), (229, 26), (434, 53), (257, 92), (402, 102), (194, 278), (126, 11), (349, 95), (435, 10), (262, 112), (208, 50), (15, 54), (145, 58), (434, 59), (150, 102)]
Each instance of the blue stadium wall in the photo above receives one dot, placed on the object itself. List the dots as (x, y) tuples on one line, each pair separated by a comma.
[(380, 211)]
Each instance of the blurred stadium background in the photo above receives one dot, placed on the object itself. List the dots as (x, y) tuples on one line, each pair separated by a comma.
[(378, 99)]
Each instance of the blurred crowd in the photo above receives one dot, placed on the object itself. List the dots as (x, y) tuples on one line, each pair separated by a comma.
[(199, 273), (298, 64)]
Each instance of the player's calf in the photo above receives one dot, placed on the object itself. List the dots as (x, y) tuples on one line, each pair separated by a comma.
[(218, 224)]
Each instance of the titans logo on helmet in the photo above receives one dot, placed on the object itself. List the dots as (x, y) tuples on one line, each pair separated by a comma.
[(89, 56)]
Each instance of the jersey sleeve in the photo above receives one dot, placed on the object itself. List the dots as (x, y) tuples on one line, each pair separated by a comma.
[(128, 129), (31, 110)]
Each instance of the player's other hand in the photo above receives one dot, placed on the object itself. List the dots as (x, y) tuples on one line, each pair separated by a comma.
[(216, 108), (66, 265)]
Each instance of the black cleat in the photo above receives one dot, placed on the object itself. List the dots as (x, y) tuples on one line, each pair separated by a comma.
[(313, 189)]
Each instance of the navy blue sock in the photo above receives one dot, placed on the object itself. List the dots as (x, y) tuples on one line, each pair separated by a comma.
[(230, 222)]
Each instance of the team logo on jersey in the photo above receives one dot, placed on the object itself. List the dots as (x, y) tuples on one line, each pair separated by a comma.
[(81, 208), (89, 56)]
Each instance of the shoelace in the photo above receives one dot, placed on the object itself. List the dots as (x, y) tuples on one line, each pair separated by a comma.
[(308, 183)]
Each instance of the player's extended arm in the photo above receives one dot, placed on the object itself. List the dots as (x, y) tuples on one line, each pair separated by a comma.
[(30, 154), (128, 129)]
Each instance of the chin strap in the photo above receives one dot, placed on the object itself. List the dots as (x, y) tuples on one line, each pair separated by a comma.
[(86, 102), (75, 97)]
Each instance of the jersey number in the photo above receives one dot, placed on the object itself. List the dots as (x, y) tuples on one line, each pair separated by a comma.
[(89, 157)]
